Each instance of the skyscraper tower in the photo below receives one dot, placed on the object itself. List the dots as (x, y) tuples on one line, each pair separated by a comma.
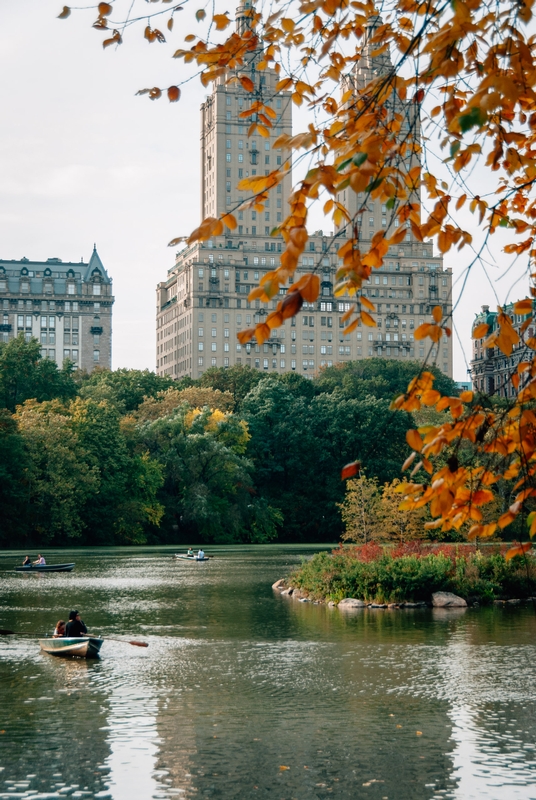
[(203, 303)]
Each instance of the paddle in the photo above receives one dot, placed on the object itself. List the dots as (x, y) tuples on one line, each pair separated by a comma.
[(5, 632)]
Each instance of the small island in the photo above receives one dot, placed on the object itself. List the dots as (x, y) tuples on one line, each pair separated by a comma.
[(410, 575)]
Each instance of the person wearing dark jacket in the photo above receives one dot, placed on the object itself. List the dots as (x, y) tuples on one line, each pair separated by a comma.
[(75, 626)]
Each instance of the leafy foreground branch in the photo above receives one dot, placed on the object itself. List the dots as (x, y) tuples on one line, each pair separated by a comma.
[(412, 573)]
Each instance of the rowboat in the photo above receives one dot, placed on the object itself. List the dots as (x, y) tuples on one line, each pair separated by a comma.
[(191, 558), (46, 568), (77, 646)]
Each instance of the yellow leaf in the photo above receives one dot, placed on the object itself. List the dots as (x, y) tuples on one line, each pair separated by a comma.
[(437, 313), (466, 397), (288, 25)]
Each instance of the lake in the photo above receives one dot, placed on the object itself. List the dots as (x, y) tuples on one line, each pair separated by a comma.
[(246, 694)]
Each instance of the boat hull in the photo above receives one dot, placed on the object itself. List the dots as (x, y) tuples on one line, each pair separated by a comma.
[(46, 568), (73, 647), (190, 558)]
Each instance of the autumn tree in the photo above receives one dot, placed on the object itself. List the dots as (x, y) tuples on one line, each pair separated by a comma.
[(401, 525), (393, 89), (361, 511)]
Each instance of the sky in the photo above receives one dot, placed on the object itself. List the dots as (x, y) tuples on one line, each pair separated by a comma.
[(83, 160)]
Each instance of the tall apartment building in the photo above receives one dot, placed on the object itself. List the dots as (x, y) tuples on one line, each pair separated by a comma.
[(66, 306), (491, 370), (203, 304)]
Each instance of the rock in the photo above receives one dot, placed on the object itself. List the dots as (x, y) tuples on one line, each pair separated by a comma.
[(514, 602), (393, 605), (285, 591), (280, 584), (447, 600), (378, 605), (351, 602), (331, 604)]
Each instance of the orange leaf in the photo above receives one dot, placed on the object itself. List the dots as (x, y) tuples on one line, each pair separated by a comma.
[(311, 288), (229, 221), (466, 397), (519, 550), (200, 15), (480, 330), (105, 9), (246, 335), (291, 305), (437, 313), (246, 83), (262, 332), (173, 94), (523, 306), (221, 21), (414, 440), (350, 470), (367, 320), (65, 13)]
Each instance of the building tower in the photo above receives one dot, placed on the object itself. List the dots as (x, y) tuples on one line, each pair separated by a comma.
[(66, 306), (203, 303)]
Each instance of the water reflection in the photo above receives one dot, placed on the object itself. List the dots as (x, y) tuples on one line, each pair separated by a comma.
[(245, 694)]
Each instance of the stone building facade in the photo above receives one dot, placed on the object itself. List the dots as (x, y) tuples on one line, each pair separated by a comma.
[(203, 304), (66, 306), (491, 370)]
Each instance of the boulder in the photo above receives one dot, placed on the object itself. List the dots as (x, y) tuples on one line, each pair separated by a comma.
[(351, 602), (447, 600), (280, 584), (331, 604)]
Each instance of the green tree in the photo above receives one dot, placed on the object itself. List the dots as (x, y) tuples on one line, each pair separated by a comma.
[(126, 389), (128, 481), (379, 377), (13, 495), (25, 375), (208, 491), (58, 478), (237, 380)]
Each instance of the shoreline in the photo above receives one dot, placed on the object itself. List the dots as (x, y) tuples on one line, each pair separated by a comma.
[(444, 600)]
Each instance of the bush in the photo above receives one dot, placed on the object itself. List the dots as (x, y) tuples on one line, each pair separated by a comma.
[(411, 573)]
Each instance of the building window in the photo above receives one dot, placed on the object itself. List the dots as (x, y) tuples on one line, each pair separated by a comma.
[(200, 361), (227, 156), (200, 345), (213, 361), (96, 356), (70, 288), (213, 347), (96, 288)]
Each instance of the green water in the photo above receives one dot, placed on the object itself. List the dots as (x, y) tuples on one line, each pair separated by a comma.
[(238, 682)]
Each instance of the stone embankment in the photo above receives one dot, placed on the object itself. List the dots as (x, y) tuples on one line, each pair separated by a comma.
[(437, 600)]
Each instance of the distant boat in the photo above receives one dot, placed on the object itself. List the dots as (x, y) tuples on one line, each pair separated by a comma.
[(77, 646), (191, 558), (46, 568)]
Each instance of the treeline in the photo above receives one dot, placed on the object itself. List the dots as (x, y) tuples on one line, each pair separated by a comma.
[(128, 457)]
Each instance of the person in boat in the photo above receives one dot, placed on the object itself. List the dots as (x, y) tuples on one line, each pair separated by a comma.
[(201, 553), (27, 562), (59, 630), (190, 552), (75, 626), (40, 560)]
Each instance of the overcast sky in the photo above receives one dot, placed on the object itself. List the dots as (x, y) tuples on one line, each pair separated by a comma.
[(83, 160)]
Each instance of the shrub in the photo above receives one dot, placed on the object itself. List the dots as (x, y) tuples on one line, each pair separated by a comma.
[(412, 572)]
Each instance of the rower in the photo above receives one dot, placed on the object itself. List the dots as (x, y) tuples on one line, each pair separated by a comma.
[(190, 552), (75, 626), (201, 554), (27, 562), (40, 560)]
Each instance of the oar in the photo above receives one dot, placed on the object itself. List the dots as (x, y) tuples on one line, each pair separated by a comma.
[(5, 632), (123, 641)]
